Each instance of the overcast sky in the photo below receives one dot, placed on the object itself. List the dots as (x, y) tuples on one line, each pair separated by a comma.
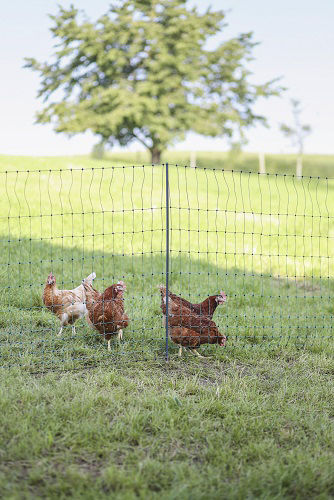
[(297, 43)]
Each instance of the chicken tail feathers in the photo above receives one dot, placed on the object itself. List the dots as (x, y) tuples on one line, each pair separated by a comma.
[(170, 302), (88, 293), (90, 278)]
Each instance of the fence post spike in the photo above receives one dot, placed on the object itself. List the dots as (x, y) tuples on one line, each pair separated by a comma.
[(167, 254)]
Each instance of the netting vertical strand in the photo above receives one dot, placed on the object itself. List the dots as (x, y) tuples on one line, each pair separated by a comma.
[(167, 255)]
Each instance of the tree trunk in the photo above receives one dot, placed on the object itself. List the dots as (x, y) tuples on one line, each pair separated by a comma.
[(299, 167), (155, 155)]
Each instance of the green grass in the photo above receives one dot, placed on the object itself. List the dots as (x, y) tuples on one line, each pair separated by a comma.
[(252, 420), (247, 426)]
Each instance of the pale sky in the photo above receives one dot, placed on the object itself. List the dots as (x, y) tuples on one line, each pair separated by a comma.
[(297, 43)]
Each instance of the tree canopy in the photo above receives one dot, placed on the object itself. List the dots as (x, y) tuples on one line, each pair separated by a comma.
[(144, 71)]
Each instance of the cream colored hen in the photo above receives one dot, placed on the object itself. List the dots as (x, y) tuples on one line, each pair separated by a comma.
[(67, 305)]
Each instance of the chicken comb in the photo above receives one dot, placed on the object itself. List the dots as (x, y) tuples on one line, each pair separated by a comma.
[(223, 294)]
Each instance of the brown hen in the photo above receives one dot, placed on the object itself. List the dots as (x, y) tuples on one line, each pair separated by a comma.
[(106, 311), (189, 329), (205, 308)]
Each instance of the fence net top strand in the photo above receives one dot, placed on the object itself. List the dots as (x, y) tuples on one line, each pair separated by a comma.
[(265, 240)]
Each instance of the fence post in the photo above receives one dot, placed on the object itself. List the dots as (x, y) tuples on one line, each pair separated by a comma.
[(262, 163), (299, 167), (167, 255), (193, 159)]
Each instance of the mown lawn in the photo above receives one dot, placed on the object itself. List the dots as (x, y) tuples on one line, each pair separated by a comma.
[(249, 425), (252, 420)]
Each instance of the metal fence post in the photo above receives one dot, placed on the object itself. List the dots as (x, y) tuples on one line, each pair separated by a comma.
[(167, 255)]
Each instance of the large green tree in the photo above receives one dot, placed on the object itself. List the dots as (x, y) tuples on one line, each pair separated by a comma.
[(144, 71)]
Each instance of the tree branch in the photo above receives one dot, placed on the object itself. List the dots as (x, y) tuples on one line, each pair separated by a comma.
[(140, 140)]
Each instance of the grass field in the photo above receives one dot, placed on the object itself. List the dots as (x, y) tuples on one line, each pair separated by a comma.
[(252, 420)]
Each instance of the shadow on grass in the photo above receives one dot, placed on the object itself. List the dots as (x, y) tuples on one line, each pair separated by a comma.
[(261, 311)]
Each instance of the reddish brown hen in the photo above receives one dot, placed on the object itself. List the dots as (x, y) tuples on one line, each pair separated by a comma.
[(205, 308), (191, 339), (109, 294), (188, 329), (106, 311)]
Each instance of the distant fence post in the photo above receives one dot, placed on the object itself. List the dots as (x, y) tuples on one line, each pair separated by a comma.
[(167, 255), (262, 163), (193, 159), (299, 167)]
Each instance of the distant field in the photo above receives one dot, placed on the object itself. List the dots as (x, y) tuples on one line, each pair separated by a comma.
[(252, 420), (314, 165)]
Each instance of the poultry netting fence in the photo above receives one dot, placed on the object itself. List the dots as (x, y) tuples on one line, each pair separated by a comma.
[(264, 242)]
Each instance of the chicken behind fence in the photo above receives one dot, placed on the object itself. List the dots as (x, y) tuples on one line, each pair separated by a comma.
[(67, 305), (106, 311)]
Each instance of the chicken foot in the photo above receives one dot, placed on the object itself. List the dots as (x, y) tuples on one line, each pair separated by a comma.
[(193, 351)]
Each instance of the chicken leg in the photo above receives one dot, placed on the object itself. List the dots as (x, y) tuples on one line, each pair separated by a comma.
[(196, 353), (193, 351)]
